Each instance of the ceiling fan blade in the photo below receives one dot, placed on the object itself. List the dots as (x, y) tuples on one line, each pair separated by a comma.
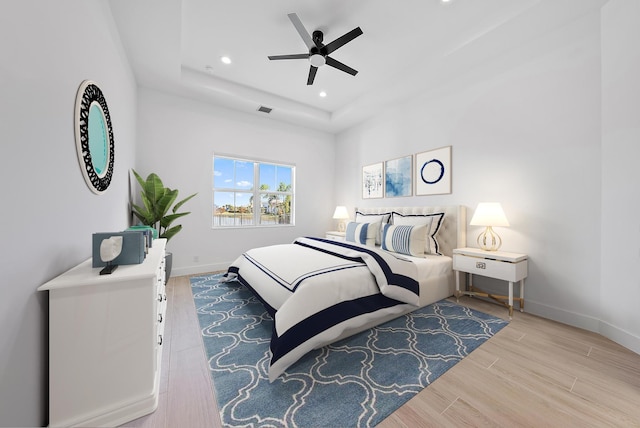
[(312, 75), (342, 40), (340, 66), (292, 56), (306, 37)]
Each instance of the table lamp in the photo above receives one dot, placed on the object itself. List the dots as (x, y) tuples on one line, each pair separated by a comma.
[(489, 214), (341, 214)]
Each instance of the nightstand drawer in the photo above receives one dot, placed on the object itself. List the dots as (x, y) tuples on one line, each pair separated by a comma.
[(491, 268), (335, 236)]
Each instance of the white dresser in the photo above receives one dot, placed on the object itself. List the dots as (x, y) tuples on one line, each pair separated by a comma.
[(105, 342)]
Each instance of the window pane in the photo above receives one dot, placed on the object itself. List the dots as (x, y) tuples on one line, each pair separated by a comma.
[(244, 175), (283, 177), (232, 209), (275, 177), (267, 176), (232, 174), (275, 209)]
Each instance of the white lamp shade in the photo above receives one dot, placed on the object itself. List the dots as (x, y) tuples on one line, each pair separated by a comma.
[(489, 214), (341, 213)]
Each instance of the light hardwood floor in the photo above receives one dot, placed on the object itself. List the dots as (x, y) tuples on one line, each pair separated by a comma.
[(533, 373)]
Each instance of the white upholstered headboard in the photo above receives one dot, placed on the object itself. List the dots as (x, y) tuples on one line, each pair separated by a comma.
[(452, 233)]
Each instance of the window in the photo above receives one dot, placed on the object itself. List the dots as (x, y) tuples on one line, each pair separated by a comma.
[(252, 193)]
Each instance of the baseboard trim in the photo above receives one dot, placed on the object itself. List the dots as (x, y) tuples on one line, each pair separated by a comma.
[(620, 336), (194, 270), (595, 325)]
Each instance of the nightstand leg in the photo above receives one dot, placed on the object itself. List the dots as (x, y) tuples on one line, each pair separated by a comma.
[(510, 299), (457, 286), (522, 295)]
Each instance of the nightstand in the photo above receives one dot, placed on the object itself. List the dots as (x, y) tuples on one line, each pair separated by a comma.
[(510, 267), (334, 235)]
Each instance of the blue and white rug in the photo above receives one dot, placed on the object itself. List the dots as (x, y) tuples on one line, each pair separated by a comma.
[(356, 382)]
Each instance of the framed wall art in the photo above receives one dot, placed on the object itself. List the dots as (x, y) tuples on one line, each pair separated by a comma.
[(433, 172), (398, 177), (372, 181)]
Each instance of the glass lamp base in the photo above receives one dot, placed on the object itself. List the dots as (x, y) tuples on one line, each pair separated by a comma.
[(489, 240)]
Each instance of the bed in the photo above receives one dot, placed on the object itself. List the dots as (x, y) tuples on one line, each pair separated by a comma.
[(318, 291)]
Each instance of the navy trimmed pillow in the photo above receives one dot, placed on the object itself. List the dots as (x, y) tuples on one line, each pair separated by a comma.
[(380, 219), (432, 223), (361, 233), (409, 240)]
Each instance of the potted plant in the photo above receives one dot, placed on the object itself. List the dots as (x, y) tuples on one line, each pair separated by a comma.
[(157, 210)]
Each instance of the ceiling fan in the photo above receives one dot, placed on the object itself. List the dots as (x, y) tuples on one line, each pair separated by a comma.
[(318, 52)]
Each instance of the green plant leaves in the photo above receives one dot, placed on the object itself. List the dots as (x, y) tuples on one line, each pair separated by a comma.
[(157, 200)]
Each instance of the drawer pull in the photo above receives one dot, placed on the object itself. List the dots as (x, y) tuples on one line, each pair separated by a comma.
[(159, 297), (160, 318), (160, 339), (481, 265)]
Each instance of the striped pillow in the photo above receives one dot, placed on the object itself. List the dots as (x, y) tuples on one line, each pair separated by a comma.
[(361, 233), (433, 223), (409, 240), (378, 219)]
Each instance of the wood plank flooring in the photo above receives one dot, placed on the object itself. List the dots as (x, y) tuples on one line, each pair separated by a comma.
[(533, 373)]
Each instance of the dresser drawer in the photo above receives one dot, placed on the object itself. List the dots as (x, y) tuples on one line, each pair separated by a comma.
[(491, 268)]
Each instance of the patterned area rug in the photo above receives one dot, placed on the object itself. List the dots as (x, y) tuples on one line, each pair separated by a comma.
[(356, 382)]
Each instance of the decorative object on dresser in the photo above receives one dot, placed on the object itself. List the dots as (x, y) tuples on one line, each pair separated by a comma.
[(105, 342), (341, 214), (489, 214), (157, 201), (510, 267), (132, 250), (110, 248), (433, 172), (94, 137)]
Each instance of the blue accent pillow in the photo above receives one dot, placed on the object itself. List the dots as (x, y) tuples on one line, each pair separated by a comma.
[(409, 240), (361, 233), (377, 219)]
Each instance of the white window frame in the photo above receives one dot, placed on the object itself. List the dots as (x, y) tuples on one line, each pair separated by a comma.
[(255, 192)]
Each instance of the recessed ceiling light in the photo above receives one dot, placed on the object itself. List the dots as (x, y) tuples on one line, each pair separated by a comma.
[(225, 60), (323, 94)]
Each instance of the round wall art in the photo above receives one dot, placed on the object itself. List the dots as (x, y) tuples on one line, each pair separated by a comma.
[(94, 137)]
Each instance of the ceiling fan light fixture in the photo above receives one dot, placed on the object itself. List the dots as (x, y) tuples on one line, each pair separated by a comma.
[(317, 60)]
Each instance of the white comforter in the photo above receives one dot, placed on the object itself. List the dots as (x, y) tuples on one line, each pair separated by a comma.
[(319, 290)]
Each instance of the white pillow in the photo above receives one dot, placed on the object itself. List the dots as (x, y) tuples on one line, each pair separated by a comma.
[(409, 240), (374, 218), (433, 223), (362, 233)]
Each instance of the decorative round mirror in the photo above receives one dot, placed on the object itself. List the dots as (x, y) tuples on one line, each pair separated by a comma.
[(94, 137)]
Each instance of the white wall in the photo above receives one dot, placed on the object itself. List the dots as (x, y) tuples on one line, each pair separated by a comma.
[(177, 138), (48, 212), (620, 286), (525, 130)]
